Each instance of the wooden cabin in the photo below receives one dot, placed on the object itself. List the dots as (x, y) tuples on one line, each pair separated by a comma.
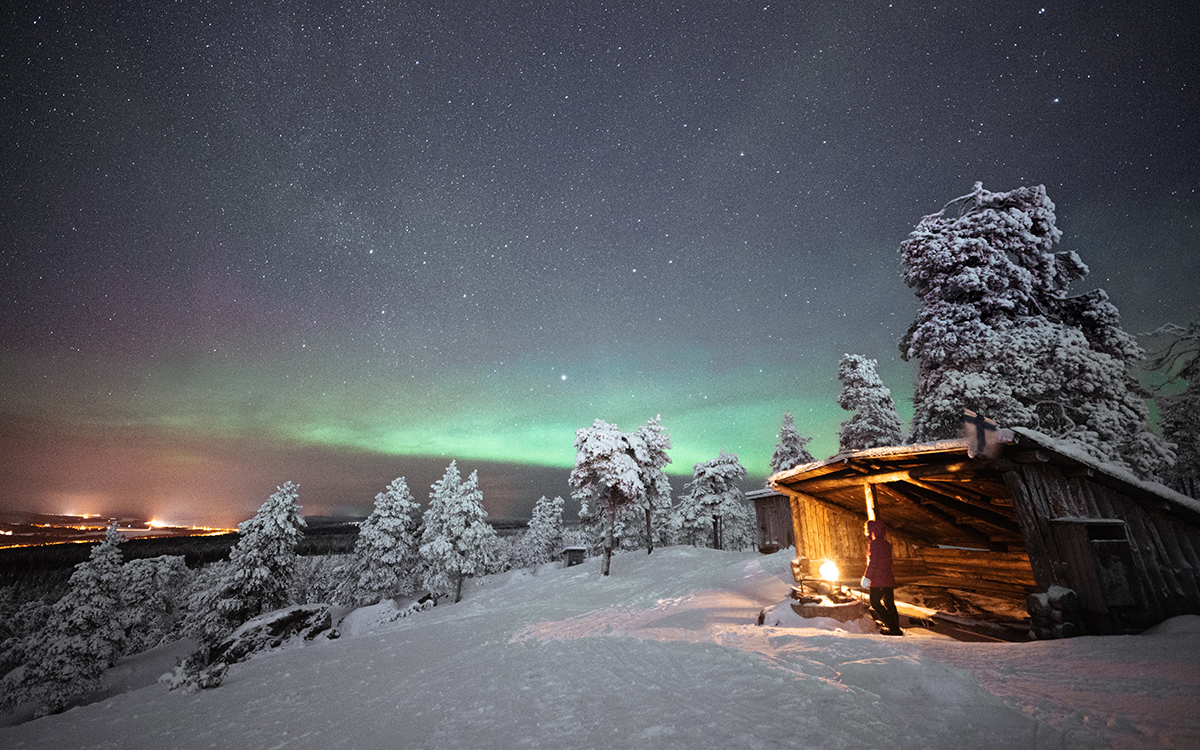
[(1007, 513)]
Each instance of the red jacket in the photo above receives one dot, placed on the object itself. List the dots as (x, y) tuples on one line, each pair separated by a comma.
[(879, 557)]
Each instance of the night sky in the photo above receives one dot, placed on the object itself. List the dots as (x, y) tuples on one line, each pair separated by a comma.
[(247, 242)]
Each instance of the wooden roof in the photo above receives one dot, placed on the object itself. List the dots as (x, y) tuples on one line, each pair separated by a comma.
[(935, 493), (949, 493)]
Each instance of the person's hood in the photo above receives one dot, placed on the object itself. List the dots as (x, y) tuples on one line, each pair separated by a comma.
[(878, 528)]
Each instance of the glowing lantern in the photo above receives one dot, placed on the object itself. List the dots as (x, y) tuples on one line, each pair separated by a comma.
[(828, 571)]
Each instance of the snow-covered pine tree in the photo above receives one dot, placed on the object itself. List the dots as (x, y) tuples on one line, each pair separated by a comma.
[(876, 423), (998, 334), (615, 471), (542, 542), (83, 638), (791, 450), (153, 600), (258, 575), (649, 521), (1179, 363), (387, 556), (457, 542), (713, 512)]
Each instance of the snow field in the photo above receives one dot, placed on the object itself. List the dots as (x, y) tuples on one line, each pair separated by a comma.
[(664, 653)]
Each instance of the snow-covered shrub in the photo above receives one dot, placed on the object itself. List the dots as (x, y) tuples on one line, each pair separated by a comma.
[(319, 579)]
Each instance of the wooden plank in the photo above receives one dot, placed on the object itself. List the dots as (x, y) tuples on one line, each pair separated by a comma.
[(996, 588), (955, 534), (1079, 573), (817, 486), (956, 503), (1147, 559), (797, 508), (1033, 517)]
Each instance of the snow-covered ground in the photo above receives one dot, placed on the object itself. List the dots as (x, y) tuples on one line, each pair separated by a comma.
[(664, 654)]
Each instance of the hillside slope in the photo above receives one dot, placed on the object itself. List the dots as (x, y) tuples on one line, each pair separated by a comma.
[(664, 654)]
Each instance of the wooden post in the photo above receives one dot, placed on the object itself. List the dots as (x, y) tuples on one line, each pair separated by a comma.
[(869, 492)]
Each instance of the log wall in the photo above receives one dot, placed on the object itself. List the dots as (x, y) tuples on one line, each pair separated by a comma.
[(1132, 563)]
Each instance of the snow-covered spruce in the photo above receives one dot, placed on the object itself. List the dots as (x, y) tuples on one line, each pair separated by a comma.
[(258, 575), (387, 558), (82, 639), (152, 598), (791, 450), (876, 422), (543, 540), (999, 333), (457, 541), (713, 512)]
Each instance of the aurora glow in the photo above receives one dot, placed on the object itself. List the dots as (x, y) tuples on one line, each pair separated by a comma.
[(247, 243)]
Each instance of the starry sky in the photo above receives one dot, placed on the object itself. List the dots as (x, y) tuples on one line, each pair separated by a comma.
[(335, 243)]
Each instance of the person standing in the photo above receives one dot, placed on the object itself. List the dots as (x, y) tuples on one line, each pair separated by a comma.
[(879, 579)]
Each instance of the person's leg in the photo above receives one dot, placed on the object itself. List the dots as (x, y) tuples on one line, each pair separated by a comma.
[(892, 616), (877, 607)]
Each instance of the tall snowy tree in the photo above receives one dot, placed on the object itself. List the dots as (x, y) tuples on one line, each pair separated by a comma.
[(791, 450), (542, 542), (387, 555), (616, 471), (651, 443), (258, 575), (153, 600), (713, 512), (83, 638), (457, 541), (876, 422), (999, 334), (1179, 410)]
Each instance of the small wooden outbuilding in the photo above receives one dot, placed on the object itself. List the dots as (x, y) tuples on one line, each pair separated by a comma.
[(1005, 513), (773, 513)]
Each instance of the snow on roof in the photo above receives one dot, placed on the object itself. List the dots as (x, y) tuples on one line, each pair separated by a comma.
[(1007, 436), (1076, 453), (940, 446)]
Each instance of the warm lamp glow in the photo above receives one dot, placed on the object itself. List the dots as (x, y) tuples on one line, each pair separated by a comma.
[(828, 571), (154, 523)]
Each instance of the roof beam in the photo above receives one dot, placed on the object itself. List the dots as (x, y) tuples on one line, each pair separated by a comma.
[(960, 509)]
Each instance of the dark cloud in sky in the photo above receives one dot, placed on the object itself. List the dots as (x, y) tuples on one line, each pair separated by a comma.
[(236, 232)]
